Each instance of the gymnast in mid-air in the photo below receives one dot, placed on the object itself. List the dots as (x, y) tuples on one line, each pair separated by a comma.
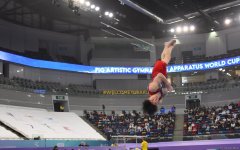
[(159, 86)]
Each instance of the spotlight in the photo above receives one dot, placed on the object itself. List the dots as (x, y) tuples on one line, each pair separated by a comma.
[(93, 6), (185, 29), (172, 30), (179, 29), (212, 29), (110, 15), (88, 3), (192, 28), (227, 21), (81, 1), (106, 13), (97, 8)]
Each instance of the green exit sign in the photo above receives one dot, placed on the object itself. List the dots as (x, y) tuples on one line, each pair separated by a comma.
[(60, 97)]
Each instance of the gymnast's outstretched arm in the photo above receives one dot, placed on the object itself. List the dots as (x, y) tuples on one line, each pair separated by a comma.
[(159, 79)]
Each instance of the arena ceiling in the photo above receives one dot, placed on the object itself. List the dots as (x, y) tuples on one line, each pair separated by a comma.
[(57, 15)]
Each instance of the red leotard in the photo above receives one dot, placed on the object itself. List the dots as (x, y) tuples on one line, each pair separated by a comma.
[(159, 67)]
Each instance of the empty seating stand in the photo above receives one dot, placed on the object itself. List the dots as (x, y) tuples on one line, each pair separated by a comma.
[(7, 134), (31, 123)]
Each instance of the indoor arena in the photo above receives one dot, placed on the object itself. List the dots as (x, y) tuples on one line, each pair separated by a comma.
[(119, 74)]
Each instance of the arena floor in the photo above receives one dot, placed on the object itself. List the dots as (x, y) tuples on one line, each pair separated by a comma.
[(223, 144)]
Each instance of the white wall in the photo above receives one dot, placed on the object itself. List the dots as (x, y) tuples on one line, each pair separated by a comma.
[(233, 40), (216, 43), (195, 78), (119, 62), (196, 48), (184, 43), (20, 38), (121, 84), (121, 52)]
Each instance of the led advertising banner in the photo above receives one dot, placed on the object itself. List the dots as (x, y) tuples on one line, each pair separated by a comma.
[(115, 70), (205, 65)]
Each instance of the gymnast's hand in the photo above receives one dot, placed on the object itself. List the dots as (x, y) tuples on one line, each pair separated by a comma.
[(154, 99), (169, 87)]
